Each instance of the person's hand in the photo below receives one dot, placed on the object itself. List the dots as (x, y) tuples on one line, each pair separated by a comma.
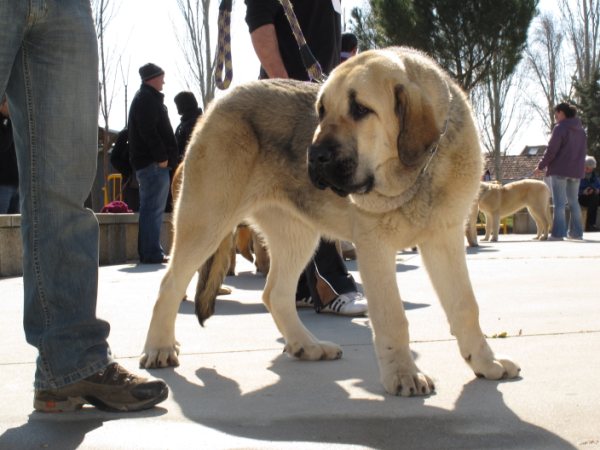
[(163, 164), (538, 172)]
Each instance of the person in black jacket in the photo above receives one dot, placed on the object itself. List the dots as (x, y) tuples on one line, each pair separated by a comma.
[(153, 153), (187, 108), (326, 284), (9, 173)]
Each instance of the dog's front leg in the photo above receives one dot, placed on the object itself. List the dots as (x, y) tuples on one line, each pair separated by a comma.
[(445, 260), (398, 371)]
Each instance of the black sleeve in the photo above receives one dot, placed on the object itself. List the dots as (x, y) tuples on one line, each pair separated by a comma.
[(260, 12)]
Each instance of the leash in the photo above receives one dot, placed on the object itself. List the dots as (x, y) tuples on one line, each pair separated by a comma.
[(224, 60), (312, 66)]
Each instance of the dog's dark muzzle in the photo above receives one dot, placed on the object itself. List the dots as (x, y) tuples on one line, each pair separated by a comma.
[(327, 168)]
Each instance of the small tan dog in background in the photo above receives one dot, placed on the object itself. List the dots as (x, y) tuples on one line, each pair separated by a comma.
[(497, 201)]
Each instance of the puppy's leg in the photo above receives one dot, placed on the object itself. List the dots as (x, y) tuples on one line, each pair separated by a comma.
[(495, 226), (540, 211), (444, 258), (262, 261), (471, 226), (488, 226), (291, 245), (398, 371), (540, 225)]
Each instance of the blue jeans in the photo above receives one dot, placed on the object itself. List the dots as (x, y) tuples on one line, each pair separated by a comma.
[(566, 191), (154, 184), (49, 71), (9, 199)]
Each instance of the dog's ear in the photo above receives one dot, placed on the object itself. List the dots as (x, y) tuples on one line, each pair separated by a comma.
[(417, 128)]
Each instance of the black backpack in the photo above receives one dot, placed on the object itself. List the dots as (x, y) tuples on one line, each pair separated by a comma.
[(119, 156)]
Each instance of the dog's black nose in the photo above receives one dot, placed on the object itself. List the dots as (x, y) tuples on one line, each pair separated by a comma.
[(322, 153)]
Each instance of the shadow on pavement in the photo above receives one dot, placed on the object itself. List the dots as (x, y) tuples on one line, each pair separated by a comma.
[(300, 409), (66, 431)]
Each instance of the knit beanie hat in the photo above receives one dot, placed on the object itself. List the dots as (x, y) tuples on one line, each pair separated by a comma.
[(149, 71), (590, 161), (185, 102)]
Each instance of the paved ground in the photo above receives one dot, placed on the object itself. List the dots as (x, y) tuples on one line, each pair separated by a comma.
[(235, 389)]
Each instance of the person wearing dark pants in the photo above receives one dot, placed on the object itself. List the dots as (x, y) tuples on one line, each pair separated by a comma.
[(589, 193), (153, 154), (326, 284)]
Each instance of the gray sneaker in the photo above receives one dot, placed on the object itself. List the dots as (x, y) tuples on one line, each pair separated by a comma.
[(113, 388)]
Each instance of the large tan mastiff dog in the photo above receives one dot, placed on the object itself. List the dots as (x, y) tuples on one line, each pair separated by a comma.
[(497, 201), (388, 158)]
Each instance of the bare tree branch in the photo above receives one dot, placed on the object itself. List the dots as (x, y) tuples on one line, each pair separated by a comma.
[(196, 46)]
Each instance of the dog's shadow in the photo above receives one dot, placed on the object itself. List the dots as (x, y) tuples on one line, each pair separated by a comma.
[(308, 403)]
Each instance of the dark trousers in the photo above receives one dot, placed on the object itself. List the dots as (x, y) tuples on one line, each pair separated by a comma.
[(591, 203), (325, 276)]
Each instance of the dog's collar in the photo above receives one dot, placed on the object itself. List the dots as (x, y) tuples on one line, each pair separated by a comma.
[(433, 148)]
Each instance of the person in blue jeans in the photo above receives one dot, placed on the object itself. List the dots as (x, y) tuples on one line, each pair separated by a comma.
[(49, 73), (153, 153), (563, 161)]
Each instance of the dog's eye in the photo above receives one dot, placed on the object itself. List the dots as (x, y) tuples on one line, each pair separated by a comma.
[(321, 111), (358, 111)]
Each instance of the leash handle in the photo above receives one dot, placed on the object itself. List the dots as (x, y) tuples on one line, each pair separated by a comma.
[(312, 66), (224, 60)]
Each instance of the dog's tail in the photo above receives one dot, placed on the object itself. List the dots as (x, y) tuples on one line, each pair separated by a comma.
[(210, 278)]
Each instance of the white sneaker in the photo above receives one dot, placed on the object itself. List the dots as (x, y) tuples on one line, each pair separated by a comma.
[(349, 304), (305, 303), (575, 239)]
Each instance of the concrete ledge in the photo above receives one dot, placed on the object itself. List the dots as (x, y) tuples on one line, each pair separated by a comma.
[(11, 248), (118, 234)]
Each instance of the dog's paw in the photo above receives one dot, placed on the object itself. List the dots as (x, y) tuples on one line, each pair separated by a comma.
[(407, 383), (314, 351), (495, 369), (160, 357)]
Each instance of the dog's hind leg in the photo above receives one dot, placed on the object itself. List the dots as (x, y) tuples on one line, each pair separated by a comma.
[(540, 223), (471, 225), (193, 244), (291, 245), (444, 258)]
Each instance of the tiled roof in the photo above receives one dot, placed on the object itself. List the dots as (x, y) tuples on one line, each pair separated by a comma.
[(517, 167)]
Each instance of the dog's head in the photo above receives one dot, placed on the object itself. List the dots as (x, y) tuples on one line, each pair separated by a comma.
[(380, 113)]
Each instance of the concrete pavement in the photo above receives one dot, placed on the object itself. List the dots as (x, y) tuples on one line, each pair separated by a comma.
[(235, 389)]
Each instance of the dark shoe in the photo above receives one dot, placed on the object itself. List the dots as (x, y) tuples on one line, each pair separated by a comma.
[(163, 260), (113, 388)]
